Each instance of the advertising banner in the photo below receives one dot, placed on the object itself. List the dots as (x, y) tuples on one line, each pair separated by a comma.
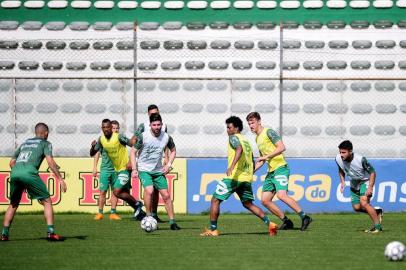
[(82, 194), (314, 183)]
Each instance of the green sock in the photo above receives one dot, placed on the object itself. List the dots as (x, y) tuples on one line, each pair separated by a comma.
[(113, 211), (101, 211), (213, 225), (171, 221), (302, 214), (266, 220), (5, 230), (50, 228), (378, 226)]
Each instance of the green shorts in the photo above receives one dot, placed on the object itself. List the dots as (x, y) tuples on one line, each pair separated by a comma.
[(122, 180), (27, 179), (356, 194), (277, 180), (226, 187), (106, 179), (156, 179)]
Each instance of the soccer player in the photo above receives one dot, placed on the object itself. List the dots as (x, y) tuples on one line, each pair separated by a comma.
[(24, 176), (271, 147), (239, 173), (141, 128), (150, 146), (114, 145), (362, 179), (107, 175)]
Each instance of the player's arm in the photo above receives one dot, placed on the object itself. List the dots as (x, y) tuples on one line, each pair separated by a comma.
[(125, 141), (93, 147), (277, 141), (14, 158), (258, 163), (368, 167), (341, 174), (235, 144), (172, 155), (95, 162), (53, 166), (137, 142)]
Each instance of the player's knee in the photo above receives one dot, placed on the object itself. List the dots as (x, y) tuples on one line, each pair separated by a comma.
[(364, 204), (166, 196), (149, 190), (357, 207), (281, 195), (247, 204), (264, 201)]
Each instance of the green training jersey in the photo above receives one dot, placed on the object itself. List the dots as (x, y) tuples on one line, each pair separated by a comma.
[(106, 164), (32, 152)]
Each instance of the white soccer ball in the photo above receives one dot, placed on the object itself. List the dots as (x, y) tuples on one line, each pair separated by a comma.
[(149, 224), (395, 251)]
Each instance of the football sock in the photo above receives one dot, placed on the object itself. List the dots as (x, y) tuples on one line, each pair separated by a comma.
[(302, 214), (101, 211), (50, 228), (5, 230), (213, 225), (171, 221), (285, 218), (378, 226), (266, 220), (113, 211)]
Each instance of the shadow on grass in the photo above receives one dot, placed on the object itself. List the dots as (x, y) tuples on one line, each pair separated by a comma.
[(63, 238)]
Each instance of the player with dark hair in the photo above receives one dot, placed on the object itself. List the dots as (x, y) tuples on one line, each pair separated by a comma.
[(114, 145), (239, 173), (150, 146), (152, 108), (107, 176), (362, 179), (24, 176), (271, 147)]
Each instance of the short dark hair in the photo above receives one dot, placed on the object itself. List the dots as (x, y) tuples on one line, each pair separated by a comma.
[(236, 121), (41, 126), (152, 107), (115, 122), (346, 145), (253, 115), (106, 121), (155, 117)]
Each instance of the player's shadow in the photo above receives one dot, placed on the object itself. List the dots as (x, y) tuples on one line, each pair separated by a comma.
[(63, 238)]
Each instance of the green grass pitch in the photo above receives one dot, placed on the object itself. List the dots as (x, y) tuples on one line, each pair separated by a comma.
[(333, 241)]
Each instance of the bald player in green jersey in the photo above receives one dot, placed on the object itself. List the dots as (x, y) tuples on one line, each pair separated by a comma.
[(24, 176), (239, 177)]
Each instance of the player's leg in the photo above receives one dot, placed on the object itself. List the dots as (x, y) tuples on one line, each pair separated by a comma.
[(113, 211), (356, 202), (122, 187), (104, 181), (268, 193), (224, 189), (113, 199), (365, 202), (155, 202), (161, 184), (281, 181), (148, 194), (244, 191), (36, 189), (16, 191)]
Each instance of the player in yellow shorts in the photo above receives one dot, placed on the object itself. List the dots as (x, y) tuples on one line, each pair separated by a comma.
[(239, 177), (271, 147)]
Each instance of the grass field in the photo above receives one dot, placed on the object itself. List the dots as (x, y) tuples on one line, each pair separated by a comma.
[(333, 241)]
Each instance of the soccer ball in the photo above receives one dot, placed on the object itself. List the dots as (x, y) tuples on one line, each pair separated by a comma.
[(395, 251), (149, 224)]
